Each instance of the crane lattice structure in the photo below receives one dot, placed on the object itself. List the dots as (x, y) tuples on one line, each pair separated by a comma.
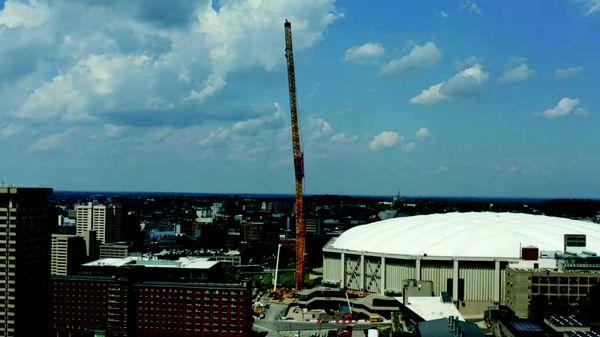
[(298, 159)]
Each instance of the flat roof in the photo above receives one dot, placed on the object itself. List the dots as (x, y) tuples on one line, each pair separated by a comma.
[(182, 262), (431, 307)]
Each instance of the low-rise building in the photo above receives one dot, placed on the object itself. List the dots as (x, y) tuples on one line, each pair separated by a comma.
[(564, 290), (114, 250), (143, 297)]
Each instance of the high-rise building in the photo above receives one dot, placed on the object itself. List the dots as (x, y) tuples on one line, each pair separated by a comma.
[(25, 223), (104, 219), (67, 253)]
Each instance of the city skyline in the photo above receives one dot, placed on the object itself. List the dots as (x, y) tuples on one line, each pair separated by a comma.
[(469, 98)]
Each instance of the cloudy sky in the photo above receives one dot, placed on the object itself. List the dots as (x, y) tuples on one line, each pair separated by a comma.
[(465, 98)]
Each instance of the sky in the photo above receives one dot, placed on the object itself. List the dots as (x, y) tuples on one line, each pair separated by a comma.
[(438, 98)]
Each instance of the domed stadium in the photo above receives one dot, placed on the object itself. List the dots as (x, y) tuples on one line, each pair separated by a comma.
[(465, 251)]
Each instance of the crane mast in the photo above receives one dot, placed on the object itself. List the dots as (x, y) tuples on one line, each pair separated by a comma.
[(298, 159)]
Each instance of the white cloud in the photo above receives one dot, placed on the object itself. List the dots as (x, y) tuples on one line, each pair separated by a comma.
[(318, 127), (519, 73), (385, 140), (422, 134), (591, 6), (408, 146), (466, 82), (425, 56), (366, 51), (123, 61), (564, 107), (564, 73), (342, 137), (9, 130), (49, 142), (470, 6), (428, 96), (19, 14), (252, 127), (443, 14)]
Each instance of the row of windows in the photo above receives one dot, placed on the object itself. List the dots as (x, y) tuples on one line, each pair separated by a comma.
[(584, 280), (200, 291), (575, 290)]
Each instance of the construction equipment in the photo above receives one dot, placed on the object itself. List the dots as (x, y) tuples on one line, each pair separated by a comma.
[(276, 268), (298, 159)]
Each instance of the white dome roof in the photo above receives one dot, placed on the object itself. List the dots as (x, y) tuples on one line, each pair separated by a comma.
[(476, 234)]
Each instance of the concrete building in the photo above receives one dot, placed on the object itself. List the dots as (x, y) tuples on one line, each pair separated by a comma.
[(106, 220), (465, 254), (563, 289), (114, 250), (25, 224), (66, 254)]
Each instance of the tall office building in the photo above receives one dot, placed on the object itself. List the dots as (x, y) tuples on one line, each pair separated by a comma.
[(25, 224), (104, 219), (67, 253)]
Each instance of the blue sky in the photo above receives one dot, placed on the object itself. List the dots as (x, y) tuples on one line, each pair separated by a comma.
[(444, 98)]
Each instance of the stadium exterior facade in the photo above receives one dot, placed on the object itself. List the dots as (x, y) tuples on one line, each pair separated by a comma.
[(469, 252)]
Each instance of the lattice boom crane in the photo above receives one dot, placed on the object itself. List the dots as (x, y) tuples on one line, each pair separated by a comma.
[(298, 159)]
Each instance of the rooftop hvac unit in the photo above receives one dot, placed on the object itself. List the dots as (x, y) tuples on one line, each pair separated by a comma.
[(530, 253)]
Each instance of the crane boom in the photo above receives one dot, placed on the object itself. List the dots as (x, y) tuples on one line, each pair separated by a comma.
[(298, 159)]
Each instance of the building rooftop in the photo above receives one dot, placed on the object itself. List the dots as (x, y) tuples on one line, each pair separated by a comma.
[(183, 262), (585, 334), (431, 307), (474, 234), (564, 321)]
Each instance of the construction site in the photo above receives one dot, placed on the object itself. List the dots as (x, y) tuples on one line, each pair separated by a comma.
[(438, 274)]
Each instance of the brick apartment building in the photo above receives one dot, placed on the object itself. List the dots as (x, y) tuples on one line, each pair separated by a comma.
[(133, 297)]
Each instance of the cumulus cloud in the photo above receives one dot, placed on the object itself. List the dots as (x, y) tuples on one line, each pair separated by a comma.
[(318, 127), (564, 73), (385, 140), (49, 142), (366, 51), (564, 107), (443, 14), (250, 127), (519, 73), (425, 56), (120, 63), (465, 83), (422, 134), (342, 137), (470, 6), (19, 14)]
